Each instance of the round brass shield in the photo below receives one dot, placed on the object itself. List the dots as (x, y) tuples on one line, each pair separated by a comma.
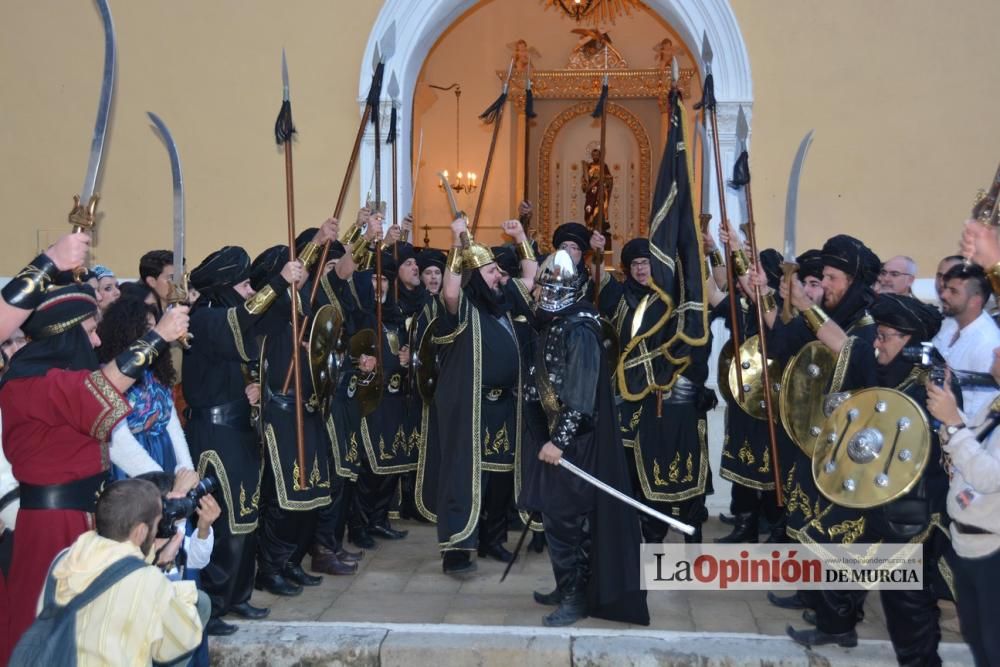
[(753, 380), (804, 386), (426, 362), (722, 372), (323, 366), (872, 450), (369, 388)]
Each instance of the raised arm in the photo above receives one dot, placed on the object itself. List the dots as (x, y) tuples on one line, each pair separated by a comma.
[(451, 285)]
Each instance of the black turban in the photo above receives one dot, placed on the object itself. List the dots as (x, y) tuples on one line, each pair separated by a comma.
[(389, 267), (507, 260), (572, 231), (907, 315), (770, 261), (429, 257), (56, 338), (403, 251), (304, 237), (267, 265), (336, 251), (852, 257), (223, 268), (810, 264), (633, 250), (63, 308)]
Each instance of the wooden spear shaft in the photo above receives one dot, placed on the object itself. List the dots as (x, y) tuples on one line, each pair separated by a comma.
[(296, 357), (486, 171), (341, 200), (395, 220), (601, 192), (761, 329), (730, 275)]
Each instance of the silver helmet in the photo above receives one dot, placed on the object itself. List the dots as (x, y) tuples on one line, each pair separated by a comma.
[(561, 283)]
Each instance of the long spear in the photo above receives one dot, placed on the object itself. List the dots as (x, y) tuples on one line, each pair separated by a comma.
[(391, 140), (707, 104), (283, 131), (601, 111), (374, 92), (741, 178), (529, 113), (377, 122), (493, 114)]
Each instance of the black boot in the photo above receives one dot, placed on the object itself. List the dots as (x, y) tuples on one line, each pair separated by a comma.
[(537, 543), (777, 532), (745, 530), (572, 608), (695, 538), (549, 599), (276, 585), (296, 574), (816, 637)]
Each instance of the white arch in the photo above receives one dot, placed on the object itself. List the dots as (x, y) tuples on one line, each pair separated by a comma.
[(419, 24)]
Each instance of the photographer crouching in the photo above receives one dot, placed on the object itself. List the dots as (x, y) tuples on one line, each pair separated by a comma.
[(972, 458), (125, 611)]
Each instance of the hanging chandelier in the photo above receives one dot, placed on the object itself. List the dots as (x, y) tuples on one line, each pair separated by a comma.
[(464, 181), (597, 11)]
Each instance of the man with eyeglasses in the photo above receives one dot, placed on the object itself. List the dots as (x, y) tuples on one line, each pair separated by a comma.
[(897, 275), (968, 332)]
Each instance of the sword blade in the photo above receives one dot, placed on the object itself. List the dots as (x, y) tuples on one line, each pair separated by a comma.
[(452, 204), (628, 500), (177, 180), (792, 198), (103, 105)]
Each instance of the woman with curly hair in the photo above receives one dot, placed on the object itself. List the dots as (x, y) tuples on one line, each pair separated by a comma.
[(153, 424)]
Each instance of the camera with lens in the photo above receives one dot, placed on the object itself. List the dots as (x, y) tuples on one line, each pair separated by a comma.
[(175, 509)]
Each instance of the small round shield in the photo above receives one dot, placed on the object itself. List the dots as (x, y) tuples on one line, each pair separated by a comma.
[(323, 365), (872, 449), (369, 388), (722, 372), (804, 386), (753, 402)]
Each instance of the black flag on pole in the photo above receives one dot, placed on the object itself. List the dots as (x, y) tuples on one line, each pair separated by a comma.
[(678, 320)]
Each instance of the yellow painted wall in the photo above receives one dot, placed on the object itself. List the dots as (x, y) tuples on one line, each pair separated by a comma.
[(903, 97), (212, 70), (901, 94)]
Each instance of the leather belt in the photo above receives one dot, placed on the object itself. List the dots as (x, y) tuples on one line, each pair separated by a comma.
[(966, 529), (286, 402), (683, 391), (80, 494), (234, 415)]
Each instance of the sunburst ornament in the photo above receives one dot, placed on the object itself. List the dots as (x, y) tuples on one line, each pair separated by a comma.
[(596, 11)]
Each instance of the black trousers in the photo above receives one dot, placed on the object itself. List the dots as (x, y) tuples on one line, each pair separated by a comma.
[(372, 499), (744, 500), (494, 512), (568, 541), (977, 584), (228, 577), (284, 535), (332, 519)]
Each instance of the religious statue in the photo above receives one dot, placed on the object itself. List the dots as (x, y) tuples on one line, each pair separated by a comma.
[(591, 186)]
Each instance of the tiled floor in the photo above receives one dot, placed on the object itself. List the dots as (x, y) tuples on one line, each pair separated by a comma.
[(402, 582)]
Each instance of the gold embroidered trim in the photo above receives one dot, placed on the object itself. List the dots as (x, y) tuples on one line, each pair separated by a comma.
[(338, 466), (113, 406), (674, 475), (234, 327), (383, 455), (279, 479), (211, 457), (425, 417)]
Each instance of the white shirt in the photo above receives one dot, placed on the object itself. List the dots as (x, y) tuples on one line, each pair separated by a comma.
[(974, 492), (971, 351)]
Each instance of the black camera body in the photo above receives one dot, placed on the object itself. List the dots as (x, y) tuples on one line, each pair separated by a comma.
[(175, 509)]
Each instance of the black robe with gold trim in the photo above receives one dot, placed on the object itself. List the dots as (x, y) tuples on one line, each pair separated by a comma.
[(279, 425), (478, 403)]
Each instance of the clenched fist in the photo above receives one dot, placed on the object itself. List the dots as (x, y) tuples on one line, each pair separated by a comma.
[(70, 251), (294, 273), (174, 324)]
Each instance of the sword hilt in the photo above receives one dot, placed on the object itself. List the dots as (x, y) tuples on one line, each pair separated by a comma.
[(179, 296)]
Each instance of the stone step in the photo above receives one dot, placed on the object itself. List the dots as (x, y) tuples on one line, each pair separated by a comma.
[(279, 644)]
